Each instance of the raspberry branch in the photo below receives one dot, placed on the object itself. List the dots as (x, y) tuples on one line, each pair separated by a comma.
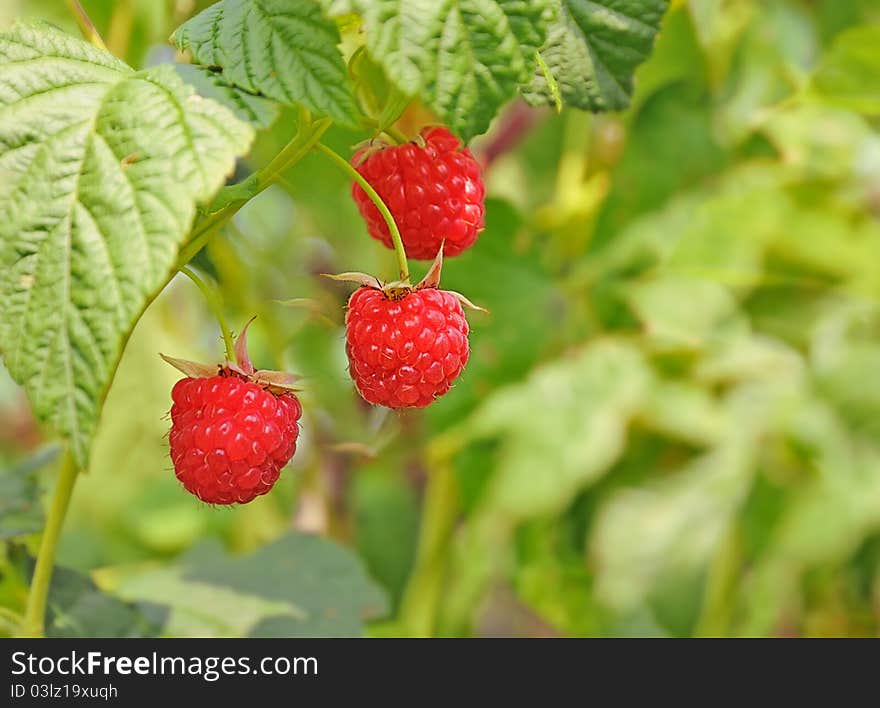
[(342, 163), (35, 611)]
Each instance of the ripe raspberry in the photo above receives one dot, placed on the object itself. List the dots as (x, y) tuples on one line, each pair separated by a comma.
[(434, 193), (232, 427), (406, 352), (230, 437)]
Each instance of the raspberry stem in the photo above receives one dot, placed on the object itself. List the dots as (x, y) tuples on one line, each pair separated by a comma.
[(213, 300), (344, 165), (33, 624), (395, 135)]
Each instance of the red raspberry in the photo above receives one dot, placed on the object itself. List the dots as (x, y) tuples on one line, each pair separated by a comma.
[(406, 352), (230, 437), (434, 193)]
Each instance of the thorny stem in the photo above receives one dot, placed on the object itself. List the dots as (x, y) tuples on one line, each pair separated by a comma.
[(85, 24), (33, 624), (344, 165), (213, 300)]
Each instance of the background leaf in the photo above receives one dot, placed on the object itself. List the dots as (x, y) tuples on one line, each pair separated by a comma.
[(285, 51), (20, 511), (76, 607), (102, 169), (849, 75), (298, 586), (593, 393), (593, 48)]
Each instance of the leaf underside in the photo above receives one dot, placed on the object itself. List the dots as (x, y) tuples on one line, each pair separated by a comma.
[(286, 51), (465, 58), (101, 169), (593, 48)]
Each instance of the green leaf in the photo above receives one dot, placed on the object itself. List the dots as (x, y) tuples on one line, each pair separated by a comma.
[(286, 51), (20, 511), (849, 75), (673, 523), (681, 311), (76, 607), (826, 517), (552, 578), (574, 440), (463, 57), (593, 49), (256, 110), (297, 586), (386, 520), (101, 168), (685, 411), (337, 8)]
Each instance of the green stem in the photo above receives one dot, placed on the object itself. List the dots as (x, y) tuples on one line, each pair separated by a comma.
[(216, 306), (395, 135), (344, 165), (85, 24), (33, 624), (714, 619), (300, 146), (421, 598)]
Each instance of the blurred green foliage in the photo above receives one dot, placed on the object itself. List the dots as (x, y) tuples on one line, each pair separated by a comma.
[(669, 422)]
